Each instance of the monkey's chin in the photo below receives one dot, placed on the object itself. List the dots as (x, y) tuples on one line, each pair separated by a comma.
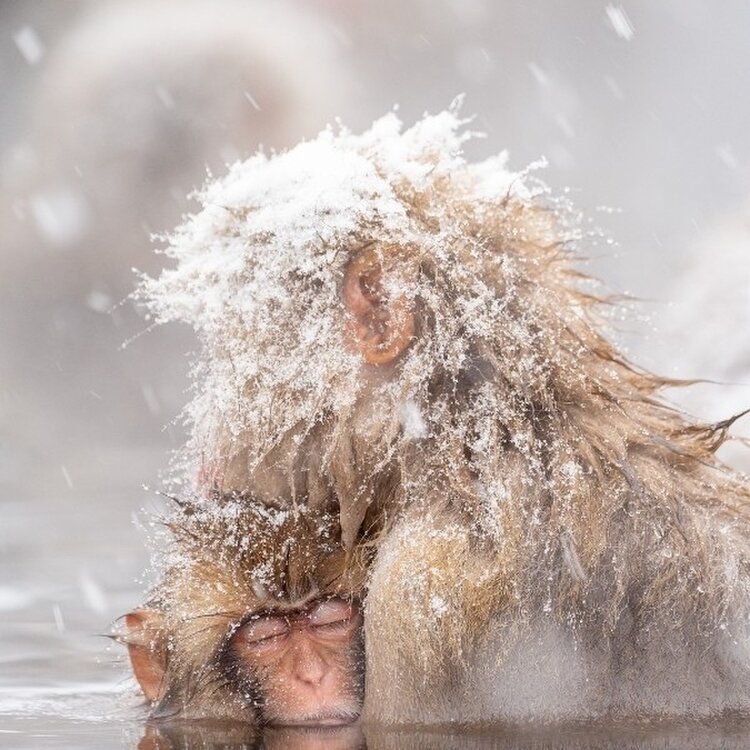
[(326, 721), (323, 719)]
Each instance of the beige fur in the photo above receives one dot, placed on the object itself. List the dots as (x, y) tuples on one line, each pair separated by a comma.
[(551, 539), (230, 556)]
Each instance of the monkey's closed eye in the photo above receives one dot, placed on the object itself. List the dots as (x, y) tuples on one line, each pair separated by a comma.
[(332, 611), (262, 631), (268, 640), (333, 616), (338, 626)]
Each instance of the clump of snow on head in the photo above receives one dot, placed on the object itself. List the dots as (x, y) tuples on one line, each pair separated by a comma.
[(258, 269), (285, 406)]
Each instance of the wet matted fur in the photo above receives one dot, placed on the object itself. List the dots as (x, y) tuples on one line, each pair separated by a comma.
[(551, 538)]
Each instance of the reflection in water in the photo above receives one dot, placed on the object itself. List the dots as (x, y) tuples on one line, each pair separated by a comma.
[(51, 730), (728, 735), (232, 736)]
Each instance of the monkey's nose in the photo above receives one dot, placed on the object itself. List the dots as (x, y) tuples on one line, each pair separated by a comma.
[(309, 667)]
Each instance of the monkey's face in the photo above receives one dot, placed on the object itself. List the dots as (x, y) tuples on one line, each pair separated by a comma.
[(305, 664), (286, 665)]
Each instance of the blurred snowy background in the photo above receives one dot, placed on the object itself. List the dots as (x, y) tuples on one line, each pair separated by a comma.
[(112, 110)]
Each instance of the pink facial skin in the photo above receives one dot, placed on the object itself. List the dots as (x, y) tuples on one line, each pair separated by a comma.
[(306, 662)]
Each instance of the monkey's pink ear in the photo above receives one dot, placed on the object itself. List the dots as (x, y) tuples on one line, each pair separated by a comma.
[(147, 649), (382, 328)]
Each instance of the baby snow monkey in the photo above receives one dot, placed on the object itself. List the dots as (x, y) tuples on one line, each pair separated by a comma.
[(256, 619)]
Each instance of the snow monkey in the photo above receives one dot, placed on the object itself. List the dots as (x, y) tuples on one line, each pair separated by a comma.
[(257, 617), (397, 338)]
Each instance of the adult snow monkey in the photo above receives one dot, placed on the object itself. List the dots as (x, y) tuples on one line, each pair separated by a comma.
[(397, 337)]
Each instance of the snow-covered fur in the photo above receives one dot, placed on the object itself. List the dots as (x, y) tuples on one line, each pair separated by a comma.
[(231, 556), (553, 541)]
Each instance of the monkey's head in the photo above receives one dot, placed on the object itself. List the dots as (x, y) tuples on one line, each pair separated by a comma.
[(256, 619), (377, 315)]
